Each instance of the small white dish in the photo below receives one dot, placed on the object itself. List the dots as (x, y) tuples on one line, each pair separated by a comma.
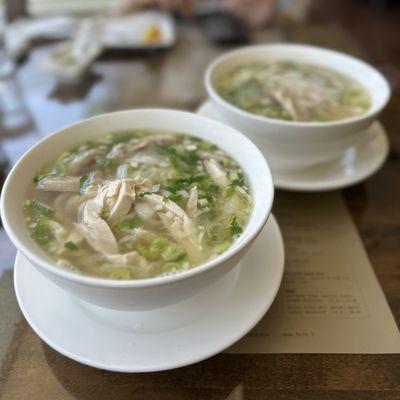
[(161, 339), (128, 32), (358, 162)]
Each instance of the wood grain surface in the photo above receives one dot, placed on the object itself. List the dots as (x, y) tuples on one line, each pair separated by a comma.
[(31, 370)]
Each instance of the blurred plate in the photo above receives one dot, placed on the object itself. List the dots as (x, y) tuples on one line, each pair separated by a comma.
[(143, 30)]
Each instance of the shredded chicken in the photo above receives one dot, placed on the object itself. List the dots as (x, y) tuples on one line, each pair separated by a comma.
[(96, 231), (80, 162), (60, 184), (216, 172), (119, 197), (178, 224), (124, 150), (191, 206)]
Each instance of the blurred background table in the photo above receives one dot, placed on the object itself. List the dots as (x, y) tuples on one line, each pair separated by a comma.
[(33, 105)]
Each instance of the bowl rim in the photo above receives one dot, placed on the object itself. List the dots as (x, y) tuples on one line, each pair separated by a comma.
[(248, 236), (373, 110)]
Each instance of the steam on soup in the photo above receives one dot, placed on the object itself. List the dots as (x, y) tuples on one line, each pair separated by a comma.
[(293, 91), (138, 204)]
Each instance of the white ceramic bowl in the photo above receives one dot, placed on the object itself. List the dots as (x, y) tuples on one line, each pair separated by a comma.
[(147, 293), (292, 144)]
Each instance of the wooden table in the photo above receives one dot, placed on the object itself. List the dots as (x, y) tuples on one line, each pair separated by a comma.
[(36, 105)]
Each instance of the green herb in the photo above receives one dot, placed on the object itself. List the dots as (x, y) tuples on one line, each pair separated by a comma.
[(105, 212), (210, 238), (235, 228), (174, 161), (173, 267), (157, 246), (84, 182), (202, 144), (180, 153), (203, 202), (169, 267), (128, 224), (230, 191), (142, 194), (107, 163), (223, 246), (190, 157), (167, 150), (237, 180), (42, 210), (40, 233), (209, 212), (142, 250), (121, 274), (177, 198), (70, 246), (173, 253)]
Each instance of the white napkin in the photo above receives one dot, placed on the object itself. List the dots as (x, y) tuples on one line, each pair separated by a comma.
[(70, 59), (21, 33)]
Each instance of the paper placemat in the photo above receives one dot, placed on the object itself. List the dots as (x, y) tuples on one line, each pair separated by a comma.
[(330, 300)]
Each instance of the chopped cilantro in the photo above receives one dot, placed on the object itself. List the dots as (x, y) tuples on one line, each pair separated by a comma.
[(237, 181), (128, 224), (176, 198), (107, 163), (42, 210), (223, 246), (235, 228), (40, 233), (210, 238), (70, 246)]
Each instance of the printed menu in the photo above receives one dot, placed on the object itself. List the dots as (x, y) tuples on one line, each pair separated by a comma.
[(330, 300)]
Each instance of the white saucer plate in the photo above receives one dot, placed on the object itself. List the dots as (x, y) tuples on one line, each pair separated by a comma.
[(357, 164), (160, 339)]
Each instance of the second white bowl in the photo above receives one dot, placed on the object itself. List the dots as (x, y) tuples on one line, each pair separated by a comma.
[(293, 144)]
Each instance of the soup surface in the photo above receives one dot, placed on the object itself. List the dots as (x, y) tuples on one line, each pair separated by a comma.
[(138, 204), (293, 91)]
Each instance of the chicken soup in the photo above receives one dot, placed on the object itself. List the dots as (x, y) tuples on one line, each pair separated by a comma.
[(138, 204), (293, 91)]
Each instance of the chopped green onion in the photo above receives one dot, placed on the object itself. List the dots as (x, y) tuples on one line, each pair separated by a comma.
[(203, 202), (105, 212), (223, 246), (233, 176), (121, 274), (40, 233), (107, 163), (173, 253), (42, 210), (128, 224), (70, 246), (235, 228), (157, 246)]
